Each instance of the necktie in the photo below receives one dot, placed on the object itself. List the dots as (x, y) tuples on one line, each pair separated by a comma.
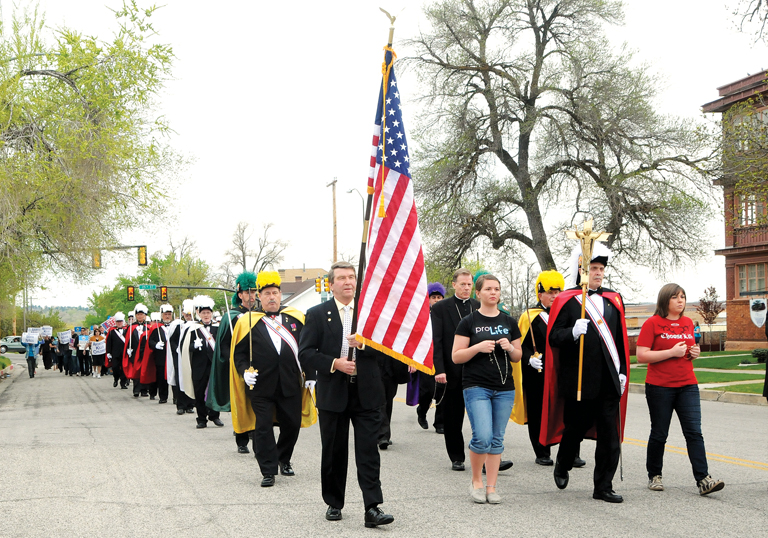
[(592, 292), (346, 323)]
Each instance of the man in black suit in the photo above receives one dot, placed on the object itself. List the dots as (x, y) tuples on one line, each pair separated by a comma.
[(604, 375), (115, 346), (272, 348), (346, 390)]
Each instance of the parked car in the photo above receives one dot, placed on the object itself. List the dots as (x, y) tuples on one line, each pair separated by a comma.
[(12, 343)]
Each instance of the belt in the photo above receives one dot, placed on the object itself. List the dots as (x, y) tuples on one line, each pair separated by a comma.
[(353, 379)]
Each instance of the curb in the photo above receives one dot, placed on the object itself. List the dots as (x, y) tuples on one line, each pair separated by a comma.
[(715, 395)]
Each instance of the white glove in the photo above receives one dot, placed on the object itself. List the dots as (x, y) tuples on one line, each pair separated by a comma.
[(309, 384), (160, 345), (250, 378), (623, 382), (535, 363), (130, 352), (198, 343), (579, 328), (109, 356)]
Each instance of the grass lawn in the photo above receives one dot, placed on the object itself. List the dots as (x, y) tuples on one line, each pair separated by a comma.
[(752, 388), (638, 376), (4, 362), (722, 360)]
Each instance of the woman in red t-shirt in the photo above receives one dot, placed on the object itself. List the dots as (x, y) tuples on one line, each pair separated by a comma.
[(666, 344)]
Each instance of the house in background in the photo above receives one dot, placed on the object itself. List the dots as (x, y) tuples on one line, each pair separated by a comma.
[(746, 234)]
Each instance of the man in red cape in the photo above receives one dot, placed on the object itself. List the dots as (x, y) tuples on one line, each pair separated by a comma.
[(601, 412), (135, 344)]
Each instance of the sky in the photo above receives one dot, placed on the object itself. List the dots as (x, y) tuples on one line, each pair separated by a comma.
[(272, 101)]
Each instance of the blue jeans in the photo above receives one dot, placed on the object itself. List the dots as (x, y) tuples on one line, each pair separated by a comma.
[(488, 412), (686, 403)]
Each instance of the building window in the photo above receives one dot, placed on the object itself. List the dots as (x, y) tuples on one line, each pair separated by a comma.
[(751, 211), (752, 278)]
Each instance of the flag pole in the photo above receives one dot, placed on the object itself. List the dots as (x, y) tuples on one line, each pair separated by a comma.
[(368, 205)]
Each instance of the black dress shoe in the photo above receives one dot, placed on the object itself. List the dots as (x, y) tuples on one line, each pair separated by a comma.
[(440, 430), (218, 422), (268, 481), (243, 450), (190, 410), (505, 465), (333, 514), (179, 411), (163, 401), (114, 384), (578, 462), (375, 516), (286, 469), (457, 466), (608, 496), (126, 388), (545, 460), (135, 395), (384, 444), (151, 397), (201, 425), (561, 476), (423, 422)]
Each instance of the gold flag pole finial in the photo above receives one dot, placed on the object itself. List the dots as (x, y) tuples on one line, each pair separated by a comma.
[(587, 238), (391, 25)]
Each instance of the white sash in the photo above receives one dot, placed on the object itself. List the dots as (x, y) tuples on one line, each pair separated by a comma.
[(285, 335), (544, 316), (602, 330), (120, 334), (208, 337)]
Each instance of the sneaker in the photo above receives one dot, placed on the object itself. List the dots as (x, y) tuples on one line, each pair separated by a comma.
[(709, 485), (654, 484)]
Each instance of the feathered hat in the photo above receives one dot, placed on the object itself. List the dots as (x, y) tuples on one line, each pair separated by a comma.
[(166, 308), (202, 302), (600, 254), (266, 279), (119, 316), (435, 288), (155, 316), (132, 314), (141, 308), (187, 306), (549, 280), (245, 281)]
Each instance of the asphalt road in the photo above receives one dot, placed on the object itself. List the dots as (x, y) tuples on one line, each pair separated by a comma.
[(81, 458)]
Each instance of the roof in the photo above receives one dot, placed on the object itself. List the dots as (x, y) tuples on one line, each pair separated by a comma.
[(295, 288), (738, 90)]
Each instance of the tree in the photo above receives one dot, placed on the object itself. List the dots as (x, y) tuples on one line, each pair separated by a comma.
[(243, 255), (709, 308), (533, 122), (752, 16), (82, 151)]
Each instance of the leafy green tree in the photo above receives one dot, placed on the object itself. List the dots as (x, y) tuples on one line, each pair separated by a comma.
[(533, 122), (81, 150)]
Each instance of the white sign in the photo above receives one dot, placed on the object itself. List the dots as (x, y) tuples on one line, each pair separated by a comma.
[(99, 348), (47, 330), (64, 337), (35, 330), (29, 338), (757, 311)]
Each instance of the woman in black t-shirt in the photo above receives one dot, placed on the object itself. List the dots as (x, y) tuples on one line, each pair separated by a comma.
[(486, 342)]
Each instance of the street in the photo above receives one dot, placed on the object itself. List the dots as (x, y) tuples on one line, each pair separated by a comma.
[(81, 458)]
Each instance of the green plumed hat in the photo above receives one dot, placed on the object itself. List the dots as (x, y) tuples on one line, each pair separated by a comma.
[(245, 281)]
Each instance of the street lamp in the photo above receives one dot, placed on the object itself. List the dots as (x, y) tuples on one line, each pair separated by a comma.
[(362, 200)]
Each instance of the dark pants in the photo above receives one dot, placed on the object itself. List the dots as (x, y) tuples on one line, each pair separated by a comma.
[(203, 413), (287, 410), (334, 437), (118, 374), (390, 391), (428, 391), (578, 418), (534, 398), (241, 439), (685, 401), (138, 388), (453, 421), (159, 387), (31, 366)]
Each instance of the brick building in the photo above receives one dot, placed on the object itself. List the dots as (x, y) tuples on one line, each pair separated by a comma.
[(746, 234)]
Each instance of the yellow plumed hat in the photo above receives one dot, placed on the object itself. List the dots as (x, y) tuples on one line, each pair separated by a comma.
[(266, 279), (549, 280)]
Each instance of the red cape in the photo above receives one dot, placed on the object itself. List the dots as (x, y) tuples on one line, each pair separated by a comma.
[(132, 366), (107, 364), (148, 370), (552, 408)]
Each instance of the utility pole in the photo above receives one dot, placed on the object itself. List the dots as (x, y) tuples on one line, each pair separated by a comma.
[(332, 184)]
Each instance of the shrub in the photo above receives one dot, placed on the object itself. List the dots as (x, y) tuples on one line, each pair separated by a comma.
[(760, 354)]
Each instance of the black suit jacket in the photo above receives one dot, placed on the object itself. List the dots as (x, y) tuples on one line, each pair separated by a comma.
[(158, 335), (597, 359), (273, 368), (445, 318), (115, 345), (200, 359), (320, 344)]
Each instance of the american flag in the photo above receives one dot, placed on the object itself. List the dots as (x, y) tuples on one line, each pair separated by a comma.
[(108, 324), (393, 314)]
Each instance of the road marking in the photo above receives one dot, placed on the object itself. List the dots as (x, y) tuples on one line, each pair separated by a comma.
[(710, 455)]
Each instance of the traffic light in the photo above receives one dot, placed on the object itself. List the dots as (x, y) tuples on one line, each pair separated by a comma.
[(130, 293), (143, 256), (163, 293), (326, 285), (318, 284), (96, 259)]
